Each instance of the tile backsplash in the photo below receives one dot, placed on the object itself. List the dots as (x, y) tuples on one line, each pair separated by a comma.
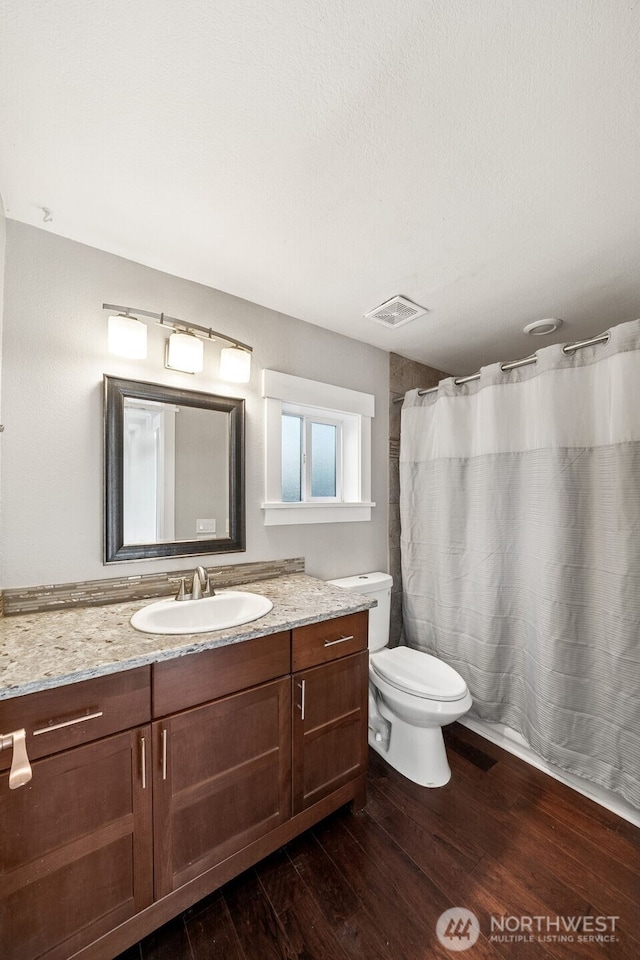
[(95, 593)]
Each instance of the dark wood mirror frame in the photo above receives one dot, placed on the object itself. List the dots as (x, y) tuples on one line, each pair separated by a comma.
[(116, 550)]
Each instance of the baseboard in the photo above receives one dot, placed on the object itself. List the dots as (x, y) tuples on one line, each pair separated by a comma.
[(511, 741)]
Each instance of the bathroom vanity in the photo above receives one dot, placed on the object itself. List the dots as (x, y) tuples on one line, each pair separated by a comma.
[(156, 782)]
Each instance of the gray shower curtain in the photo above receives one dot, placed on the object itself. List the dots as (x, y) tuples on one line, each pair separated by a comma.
[(520, 512)]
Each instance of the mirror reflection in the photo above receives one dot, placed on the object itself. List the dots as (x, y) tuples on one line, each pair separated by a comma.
[(175, 471)]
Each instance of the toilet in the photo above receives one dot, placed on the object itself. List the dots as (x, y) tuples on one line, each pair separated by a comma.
[(412, 694)]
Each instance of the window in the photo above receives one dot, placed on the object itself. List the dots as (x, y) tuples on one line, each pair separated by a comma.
[(318, 451), (311, 457)]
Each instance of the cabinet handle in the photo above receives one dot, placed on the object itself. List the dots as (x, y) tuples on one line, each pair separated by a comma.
[(330, 643), (143, 762), (67, 723), (20, 772), (164, 753), (303, 691)]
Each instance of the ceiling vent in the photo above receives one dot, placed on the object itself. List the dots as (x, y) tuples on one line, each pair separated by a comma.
[(395, 312)]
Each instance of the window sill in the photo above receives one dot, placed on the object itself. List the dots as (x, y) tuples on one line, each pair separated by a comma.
[(279, 514)]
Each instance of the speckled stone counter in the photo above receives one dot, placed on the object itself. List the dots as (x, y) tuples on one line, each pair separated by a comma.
[(44, 650)]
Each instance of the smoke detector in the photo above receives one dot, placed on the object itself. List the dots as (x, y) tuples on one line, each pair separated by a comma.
[(541, 328), (395, 312)]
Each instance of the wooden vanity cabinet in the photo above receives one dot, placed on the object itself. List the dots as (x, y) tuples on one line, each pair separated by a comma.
[(76, 846), (222, 769), (225, 773), (222, 779), (64, 717), (330, 707), (121, 829), (328, 640), (330, 735)]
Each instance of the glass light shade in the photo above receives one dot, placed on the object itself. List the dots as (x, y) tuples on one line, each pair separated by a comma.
[(235, 365), (185, 352), (127, 337)]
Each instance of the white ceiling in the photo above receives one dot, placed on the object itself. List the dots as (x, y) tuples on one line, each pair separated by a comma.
[(481, 158)]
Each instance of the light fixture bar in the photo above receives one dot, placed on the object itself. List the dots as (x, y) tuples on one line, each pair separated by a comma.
[(177, 324)]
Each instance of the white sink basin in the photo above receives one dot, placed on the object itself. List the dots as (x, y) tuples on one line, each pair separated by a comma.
[(229, 609)]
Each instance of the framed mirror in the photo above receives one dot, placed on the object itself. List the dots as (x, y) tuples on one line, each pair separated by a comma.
[(174, 472)]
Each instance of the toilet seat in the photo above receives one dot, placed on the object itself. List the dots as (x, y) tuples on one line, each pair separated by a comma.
[(418, 673)]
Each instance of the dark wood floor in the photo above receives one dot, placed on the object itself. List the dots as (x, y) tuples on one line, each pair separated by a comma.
[(500, 839)]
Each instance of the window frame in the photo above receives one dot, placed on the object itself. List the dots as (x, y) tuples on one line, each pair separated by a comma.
[(318, 402)]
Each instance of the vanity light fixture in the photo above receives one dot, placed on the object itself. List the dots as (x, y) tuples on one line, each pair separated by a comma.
[(185, 352), (127, 337), (235, 365), (184, 349)]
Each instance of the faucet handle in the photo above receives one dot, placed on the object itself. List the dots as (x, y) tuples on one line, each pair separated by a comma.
[(182, 590)]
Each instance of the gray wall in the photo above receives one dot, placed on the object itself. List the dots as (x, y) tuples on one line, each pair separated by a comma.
[(54, 360), (403, 375), (3, 244), (3, 238)]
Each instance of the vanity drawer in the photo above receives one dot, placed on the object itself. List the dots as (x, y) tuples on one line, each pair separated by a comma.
[(77, 713), (319, 642), (199, 677)]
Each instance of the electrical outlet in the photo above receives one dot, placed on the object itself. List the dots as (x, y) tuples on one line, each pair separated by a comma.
[(205, 526)]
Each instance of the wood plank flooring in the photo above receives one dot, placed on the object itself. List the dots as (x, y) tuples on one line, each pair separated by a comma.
[(501, 839)]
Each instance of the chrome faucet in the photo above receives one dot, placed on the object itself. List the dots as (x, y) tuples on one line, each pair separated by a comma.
[(201, 586)]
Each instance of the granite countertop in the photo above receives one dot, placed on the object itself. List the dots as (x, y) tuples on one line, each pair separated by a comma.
[(43, 650)]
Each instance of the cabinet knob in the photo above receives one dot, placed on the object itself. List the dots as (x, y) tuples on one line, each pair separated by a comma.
[(20, 772)]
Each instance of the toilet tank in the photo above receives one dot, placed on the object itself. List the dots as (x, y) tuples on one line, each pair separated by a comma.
[(377, 586)]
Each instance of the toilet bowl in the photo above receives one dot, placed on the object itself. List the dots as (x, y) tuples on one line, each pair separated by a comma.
[(412, 694), (418, 695)]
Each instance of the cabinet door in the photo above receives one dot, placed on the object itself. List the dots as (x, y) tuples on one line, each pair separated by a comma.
[(75, 847), (222, 779), (329, 727)]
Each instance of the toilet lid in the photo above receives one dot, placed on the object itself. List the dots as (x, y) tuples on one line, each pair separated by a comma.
[(419, 673)]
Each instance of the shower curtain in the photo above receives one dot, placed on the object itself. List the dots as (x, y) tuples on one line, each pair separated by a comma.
[(520, 512)]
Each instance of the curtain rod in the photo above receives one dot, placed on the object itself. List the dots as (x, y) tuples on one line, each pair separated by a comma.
[(513, 364)]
